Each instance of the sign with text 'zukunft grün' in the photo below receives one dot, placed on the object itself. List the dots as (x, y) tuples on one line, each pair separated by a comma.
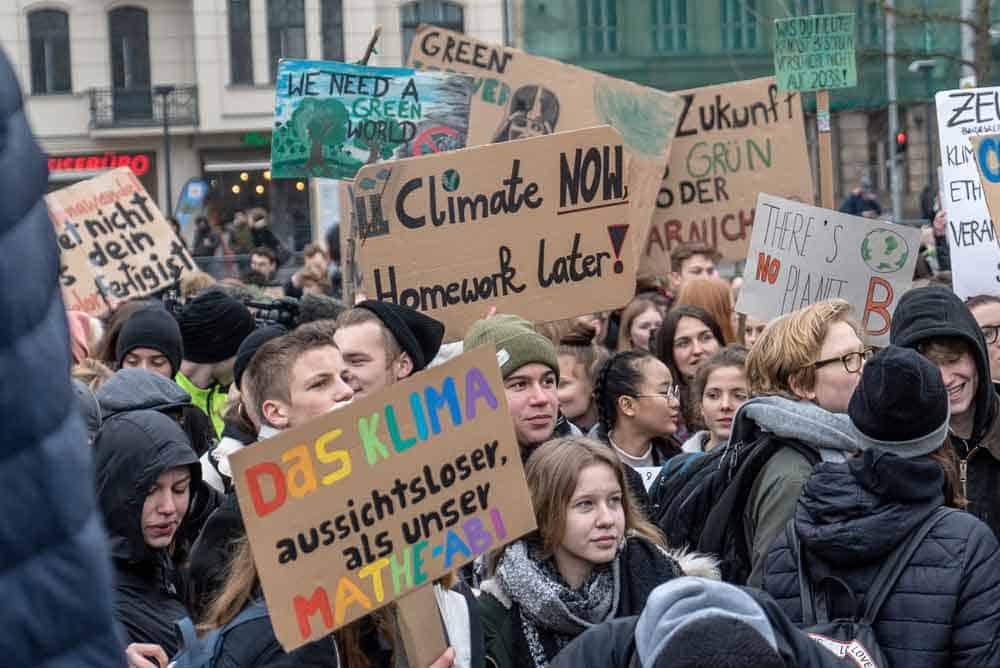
[(114, 244), (355, 509), (801, 254), (536, 227), (815, 52), (330, 119)]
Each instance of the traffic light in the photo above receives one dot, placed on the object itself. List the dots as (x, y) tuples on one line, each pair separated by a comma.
[(901, 143)]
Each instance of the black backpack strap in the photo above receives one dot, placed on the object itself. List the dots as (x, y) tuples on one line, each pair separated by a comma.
[(894, 564)]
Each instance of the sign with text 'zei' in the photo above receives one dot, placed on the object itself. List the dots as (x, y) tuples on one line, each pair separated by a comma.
[(801, 254), (815, 52), (537, 227), (356, 508)]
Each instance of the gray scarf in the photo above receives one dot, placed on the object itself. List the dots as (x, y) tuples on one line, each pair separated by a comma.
[(548, 604), (832, 434)]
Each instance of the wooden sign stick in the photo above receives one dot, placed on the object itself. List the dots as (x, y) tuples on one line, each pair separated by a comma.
[(825, 148), (420, 627)]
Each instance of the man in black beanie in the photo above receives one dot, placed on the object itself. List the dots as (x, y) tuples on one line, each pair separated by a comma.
[(213, 325), (151, 340), (383, 343)]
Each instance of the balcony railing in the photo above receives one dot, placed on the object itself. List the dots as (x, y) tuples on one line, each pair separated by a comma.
[(142, 107)]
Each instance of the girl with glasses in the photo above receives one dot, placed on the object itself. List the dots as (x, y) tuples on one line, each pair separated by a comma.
[(638, 413)]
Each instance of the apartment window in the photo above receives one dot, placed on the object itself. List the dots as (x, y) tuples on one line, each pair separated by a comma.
[(598, 26), (670, 25), (286, 31), (333, 30), (240, 45), (739, 25), (869, 25), (448, 15), (809, 7), (48, 31)]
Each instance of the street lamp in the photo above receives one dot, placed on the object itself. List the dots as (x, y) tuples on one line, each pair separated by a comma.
[(164, 92), (927, 67)]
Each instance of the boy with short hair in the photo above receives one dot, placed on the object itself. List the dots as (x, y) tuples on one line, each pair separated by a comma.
[(692, 259)]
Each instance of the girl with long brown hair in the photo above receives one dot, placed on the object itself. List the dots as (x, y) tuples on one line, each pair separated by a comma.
[(593, 558)]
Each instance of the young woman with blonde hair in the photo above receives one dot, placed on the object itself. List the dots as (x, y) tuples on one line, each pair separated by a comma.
[(593, 558)]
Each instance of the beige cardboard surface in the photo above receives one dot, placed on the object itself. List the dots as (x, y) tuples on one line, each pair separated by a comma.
[(733, 141), (801, 254), (537, 227), (519, 95), (986, 149), (114, 243), (364, 504)]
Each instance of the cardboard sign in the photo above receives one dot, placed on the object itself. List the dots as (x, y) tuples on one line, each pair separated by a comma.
[(975, 256), (536, 227), (815, 52), (330, 119), (520, 95), (801, 254), (360, 506), (986, 149), (733, 141), (114, 244)]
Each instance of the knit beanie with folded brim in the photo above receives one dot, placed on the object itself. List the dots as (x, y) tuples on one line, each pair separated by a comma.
[(690, 621), (517, 343), (901, 404)]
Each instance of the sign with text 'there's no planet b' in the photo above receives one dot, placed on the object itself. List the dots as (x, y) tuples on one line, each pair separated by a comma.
[(815, 52)]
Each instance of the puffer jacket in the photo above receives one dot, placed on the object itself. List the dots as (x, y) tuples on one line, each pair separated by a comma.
[(933, 312), (944, 610), (130, 453), (55, 574)]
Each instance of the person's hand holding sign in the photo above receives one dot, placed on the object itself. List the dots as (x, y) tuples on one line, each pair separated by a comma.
[(446, 660)]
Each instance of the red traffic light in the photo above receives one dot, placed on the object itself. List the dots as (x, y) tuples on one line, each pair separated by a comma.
[(900, 139)]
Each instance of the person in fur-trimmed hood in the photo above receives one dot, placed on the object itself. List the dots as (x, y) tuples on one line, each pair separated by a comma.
[(594, 558)]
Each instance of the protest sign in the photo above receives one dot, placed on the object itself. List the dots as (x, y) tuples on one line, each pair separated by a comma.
[(815, 52), (330, 119), (801, 254), (113, 242), (365, 504), (733, 141), (975, 256), (536, 227), (519, 95), (986, 149)]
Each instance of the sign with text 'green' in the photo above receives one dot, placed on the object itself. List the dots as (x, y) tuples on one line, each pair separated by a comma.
[(815, 52)]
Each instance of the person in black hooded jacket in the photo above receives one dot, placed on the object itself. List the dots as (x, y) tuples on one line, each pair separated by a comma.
[(935, 322), (145, 469), (944, 609)]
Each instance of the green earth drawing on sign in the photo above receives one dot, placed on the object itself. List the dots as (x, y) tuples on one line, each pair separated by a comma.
[(884, 251)]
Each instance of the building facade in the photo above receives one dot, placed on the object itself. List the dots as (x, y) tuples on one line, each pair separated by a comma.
[(100, 77)]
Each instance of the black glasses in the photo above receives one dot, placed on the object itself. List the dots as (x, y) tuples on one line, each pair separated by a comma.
[(990, 333), (852, 361)]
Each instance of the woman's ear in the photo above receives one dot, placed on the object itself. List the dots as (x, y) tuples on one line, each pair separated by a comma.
[(796, 385), (626, 405), (275, 413)]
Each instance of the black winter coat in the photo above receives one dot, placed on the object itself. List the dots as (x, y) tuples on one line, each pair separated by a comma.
[(936, 312), (130, 452), (945, 608), (55, 575)]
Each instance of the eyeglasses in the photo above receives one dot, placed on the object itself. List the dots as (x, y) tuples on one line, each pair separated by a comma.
[(672, 394), (852, 361), (990, 333)]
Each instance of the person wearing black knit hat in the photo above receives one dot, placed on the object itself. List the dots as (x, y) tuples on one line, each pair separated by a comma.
[(150, 339), (383, 343), (213, 325)]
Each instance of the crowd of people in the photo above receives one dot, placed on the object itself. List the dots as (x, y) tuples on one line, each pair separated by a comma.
[(812, 500)]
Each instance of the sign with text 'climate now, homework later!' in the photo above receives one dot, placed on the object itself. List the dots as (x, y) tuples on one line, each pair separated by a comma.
[(536, 227), (520, 95), (330, 118), (114, 244), (801, 254), (815, 52), (356, 508)]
